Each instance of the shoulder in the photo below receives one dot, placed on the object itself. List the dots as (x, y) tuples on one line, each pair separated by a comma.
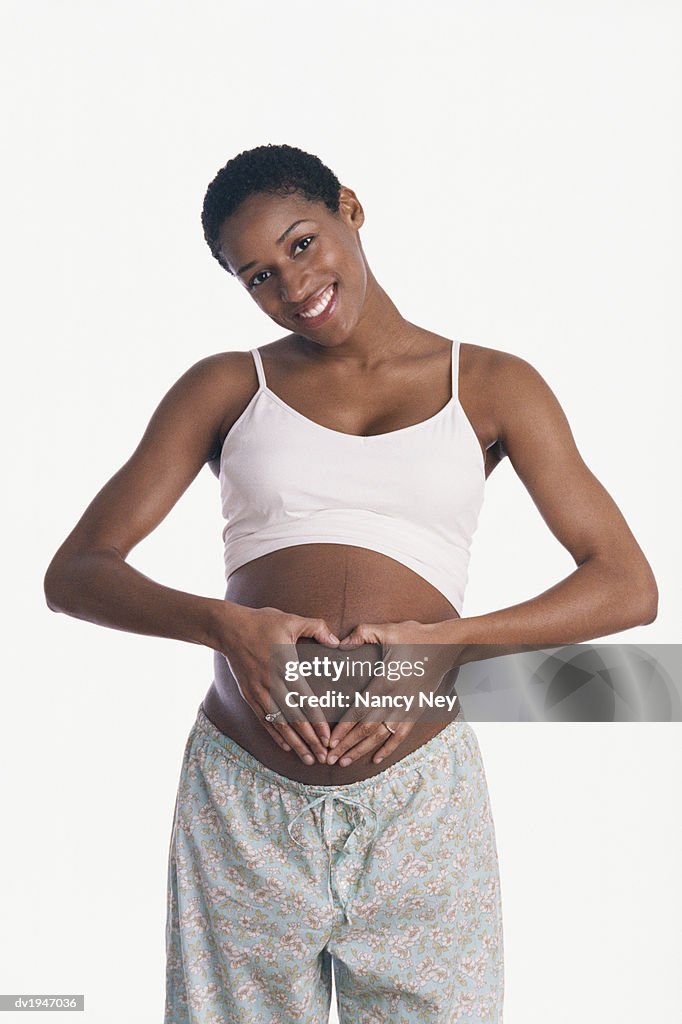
[(494, 365), (212, 393), (532, 426), (219, 381), (511, 395), (507, 380), (217, 369)]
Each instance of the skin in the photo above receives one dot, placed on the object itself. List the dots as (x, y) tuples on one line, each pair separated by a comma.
[(367, 370)]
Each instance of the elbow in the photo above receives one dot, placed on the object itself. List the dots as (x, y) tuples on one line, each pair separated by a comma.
[(640, 596), (53, 587), (630, 592), (71, 578), (58, 583), (650, 606)]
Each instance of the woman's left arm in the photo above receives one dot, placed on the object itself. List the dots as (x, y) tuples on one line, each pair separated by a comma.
[(612, 587)]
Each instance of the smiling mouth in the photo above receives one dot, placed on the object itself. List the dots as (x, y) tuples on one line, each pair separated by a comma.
[(323, 306)]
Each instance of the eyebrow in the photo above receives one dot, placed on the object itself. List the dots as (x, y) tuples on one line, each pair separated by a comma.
[(253, 263)]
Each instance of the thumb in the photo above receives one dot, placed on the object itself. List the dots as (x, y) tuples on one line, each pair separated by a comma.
[(320, 631), (364, 633)]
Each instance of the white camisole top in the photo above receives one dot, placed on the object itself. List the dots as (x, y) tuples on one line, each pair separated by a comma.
[(412, 494)]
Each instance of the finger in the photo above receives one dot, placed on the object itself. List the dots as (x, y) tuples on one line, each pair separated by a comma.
[(370, 742), (352, 640), (364, 633), (376, 686), (306, 732), (318, 630), (355, 733), (344, 726), (310, 724), (307, 720), (262, 704), (286, 735), (392, 741), (279, 739), (361, 731), (260, 700), (296, 743), (300, 736)]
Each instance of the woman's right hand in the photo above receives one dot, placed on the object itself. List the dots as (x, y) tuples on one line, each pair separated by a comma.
[(257, 643)]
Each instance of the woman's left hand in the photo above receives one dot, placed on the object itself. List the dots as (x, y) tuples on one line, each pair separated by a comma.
[(409, 641)]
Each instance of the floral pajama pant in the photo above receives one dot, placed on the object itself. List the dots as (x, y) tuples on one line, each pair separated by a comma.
[(393, 880)]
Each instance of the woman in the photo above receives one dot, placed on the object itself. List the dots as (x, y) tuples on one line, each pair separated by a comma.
[(352, 454)]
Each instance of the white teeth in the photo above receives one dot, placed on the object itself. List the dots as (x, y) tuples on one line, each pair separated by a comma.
[(321, 304)]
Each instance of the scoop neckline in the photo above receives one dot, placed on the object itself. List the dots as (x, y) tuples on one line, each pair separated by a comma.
[(358, 437)]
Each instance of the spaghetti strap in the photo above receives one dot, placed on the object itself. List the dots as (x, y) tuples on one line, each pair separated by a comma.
[(455, 369), (259, 367)]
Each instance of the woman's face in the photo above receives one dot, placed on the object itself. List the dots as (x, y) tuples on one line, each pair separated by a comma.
[(296, 257)]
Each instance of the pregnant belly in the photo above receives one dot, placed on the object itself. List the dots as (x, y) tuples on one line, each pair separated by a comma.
[(345, 586)]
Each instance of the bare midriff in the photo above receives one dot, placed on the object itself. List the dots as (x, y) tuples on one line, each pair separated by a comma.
[(345, 586)]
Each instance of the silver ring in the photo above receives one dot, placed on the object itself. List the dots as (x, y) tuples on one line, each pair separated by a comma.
[(272, 716), (392, 731)]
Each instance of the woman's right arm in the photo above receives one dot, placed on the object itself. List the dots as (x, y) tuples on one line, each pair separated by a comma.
[(90, 578)]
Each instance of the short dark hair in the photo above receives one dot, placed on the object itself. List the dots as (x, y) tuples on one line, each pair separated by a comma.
[(277, 170)]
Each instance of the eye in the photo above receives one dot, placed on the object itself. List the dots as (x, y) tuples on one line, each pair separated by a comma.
[(308, 239), (254, 282)]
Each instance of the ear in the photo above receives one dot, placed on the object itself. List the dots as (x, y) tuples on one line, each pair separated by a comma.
[(350, 208)]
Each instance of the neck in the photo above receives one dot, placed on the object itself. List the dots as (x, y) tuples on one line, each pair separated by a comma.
[(380, 333)]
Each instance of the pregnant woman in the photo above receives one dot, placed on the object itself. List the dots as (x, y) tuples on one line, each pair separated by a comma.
[(352, 454)]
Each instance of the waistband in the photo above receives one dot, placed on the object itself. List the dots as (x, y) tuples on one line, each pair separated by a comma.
[(455, 734)]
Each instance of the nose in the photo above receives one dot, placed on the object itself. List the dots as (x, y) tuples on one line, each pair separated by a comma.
[(294, 285)]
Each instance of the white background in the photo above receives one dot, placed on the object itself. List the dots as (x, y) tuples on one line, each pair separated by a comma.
[(519, 165)]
